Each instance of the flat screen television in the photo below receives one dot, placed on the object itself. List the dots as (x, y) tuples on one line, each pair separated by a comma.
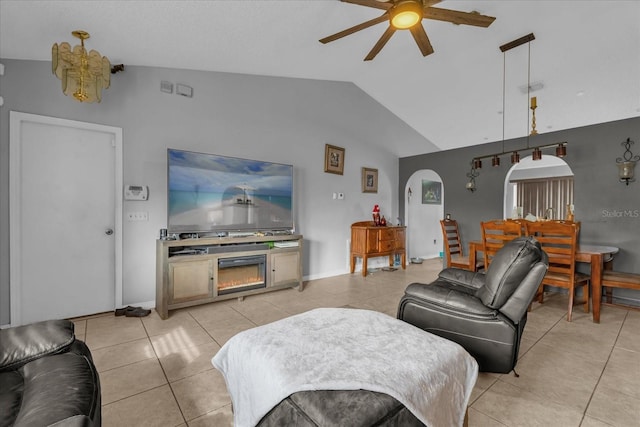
[(208, 193)]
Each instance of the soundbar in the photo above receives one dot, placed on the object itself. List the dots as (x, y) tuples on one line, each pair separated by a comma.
[(240, 233), (237, 248)]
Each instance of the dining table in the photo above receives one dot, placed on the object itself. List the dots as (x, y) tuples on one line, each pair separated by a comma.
[(599, 257)]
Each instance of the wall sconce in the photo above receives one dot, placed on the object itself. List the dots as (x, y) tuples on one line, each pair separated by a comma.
[(561, 150), (515, 158), (472, 175), (627, 163), (495, 161)]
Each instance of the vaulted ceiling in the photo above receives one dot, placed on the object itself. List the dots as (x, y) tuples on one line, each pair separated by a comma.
[(583, 66)]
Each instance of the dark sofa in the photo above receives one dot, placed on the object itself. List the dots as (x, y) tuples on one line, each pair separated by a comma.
[(47, 377)]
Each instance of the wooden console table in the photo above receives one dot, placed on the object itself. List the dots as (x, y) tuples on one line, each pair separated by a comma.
[(369, 240)]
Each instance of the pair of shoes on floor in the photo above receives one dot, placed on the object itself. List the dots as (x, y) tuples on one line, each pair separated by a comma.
[(130, 311)]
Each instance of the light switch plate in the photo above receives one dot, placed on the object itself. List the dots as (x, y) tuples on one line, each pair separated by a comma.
[(138, 216)]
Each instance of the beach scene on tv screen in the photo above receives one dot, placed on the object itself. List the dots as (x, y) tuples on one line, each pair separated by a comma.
[(208, 192)]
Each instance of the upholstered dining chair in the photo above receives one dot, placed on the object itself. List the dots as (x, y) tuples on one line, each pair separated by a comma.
[(559, 240), (453, 248), (495, 234)]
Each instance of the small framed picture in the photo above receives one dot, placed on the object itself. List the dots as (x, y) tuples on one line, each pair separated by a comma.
[(369, 180), (431, 192), (333, 159)]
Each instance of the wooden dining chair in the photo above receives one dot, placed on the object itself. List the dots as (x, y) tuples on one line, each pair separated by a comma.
[(495, 234), (559, 241), (453, 248)]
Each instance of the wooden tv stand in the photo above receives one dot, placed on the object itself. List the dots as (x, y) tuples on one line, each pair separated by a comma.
[(189, 271), (369, 240)]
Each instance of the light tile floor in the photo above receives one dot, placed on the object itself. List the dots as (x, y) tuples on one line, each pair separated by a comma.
[(158, 372)]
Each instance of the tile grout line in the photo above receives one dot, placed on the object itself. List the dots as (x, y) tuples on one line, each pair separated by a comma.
[(593, 392), (499, 378), (219, 345), (175, 398)]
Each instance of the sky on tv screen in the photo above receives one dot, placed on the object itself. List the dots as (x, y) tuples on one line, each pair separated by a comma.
[(214, 177), (213, 173)]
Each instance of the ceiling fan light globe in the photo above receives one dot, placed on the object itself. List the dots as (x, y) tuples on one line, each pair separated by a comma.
[(406, 14)]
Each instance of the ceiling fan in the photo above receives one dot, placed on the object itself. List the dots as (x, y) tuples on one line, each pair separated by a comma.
[(408, 15)]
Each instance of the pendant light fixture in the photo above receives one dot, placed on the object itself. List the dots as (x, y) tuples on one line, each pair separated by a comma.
[(83, 74), (532, 104), (537, 154)]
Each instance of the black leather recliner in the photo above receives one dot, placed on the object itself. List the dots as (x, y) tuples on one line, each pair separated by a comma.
[(484, 313), (47, 377)]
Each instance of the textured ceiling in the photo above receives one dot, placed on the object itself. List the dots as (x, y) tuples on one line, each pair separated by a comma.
[(586, 55)]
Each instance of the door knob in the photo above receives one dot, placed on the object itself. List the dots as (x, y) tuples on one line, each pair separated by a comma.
[(108, 232)]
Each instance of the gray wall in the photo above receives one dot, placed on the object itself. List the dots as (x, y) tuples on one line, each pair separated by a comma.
[(264, 118), (608, 210)]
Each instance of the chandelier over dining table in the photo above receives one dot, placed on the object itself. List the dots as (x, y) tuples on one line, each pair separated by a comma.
[(532, 104)]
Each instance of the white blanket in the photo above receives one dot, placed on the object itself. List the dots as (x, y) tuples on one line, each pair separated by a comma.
[(347, 349)]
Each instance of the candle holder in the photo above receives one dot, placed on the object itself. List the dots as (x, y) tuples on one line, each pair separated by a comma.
[(534, 105)]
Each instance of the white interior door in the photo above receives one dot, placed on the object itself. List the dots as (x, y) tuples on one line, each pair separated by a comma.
[(65, 226)]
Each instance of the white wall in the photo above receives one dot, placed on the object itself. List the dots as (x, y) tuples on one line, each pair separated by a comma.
[(257, 117)]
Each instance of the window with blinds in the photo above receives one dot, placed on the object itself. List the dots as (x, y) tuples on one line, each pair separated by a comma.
[(545, 197)]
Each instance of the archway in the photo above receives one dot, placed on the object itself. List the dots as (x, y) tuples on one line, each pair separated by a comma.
[(424, 208), (527, 168)]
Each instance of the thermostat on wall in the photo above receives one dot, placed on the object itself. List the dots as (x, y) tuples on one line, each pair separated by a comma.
[(136, 192)]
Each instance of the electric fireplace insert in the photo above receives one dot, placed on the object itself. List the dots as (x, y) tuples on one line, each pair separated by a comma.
[(241, 273)]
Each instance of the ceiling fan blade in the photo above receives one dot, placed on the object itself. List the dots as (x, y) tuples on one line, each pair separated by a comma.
[(371, 3), (457, 17), (383, 40), (356, 28), (420, 36)]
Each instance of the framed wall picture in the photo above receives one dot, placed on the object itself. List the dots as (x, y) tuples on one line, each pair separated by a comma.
[(369, 180), (333, 159), (431, 192)]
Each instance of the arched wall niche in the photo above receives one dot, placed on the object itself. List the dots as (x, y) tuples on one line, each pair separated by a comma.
[(424, 237)]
